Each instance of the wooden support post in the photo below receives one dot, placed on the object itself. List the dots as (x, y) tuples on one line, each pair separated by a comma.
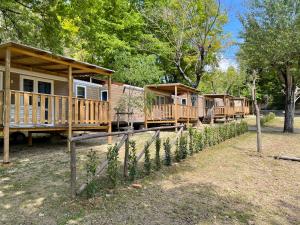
[(6, 106), (109, 139), (126, 156), (29, 138), (176, 107), (70, 108), (73, 168)]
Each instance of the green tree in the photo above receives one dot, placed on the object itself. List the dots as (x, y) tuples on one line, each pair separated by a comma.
[(190, 35), (272, 46)]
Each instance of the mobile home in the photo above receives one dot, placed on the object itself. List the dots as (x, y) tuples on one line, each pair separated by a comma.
[(37, 94)]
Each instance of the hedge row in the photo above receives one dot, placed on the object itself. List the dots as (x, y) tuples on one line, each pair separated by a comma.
[(267, 118)]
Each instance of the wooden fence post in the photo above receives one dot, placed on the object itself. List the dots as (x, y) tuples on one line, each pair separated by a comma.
[(73, 169), (126, 156)]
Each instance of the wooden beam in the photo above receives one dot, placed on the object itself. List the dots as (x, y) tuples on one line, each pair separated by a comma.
[(109, 140), (145, 108), (6, 106), (19, 57), (70, 109)]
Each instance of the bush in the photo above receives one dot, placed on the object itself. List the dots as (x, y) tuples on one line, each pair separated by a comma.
[(91, 166), (112, 166), (177, 152), (167, 149), (132, 161), (191, 140), (183, 151), (267, 118), (157, 153), (147, 162)]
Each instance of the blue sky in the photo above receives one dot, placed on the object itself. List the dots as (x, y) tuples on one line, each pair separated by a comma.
[(234, 8)]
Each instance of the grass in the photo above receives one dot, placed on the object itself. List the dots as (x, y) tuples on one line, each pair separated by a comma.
[(225, 184)]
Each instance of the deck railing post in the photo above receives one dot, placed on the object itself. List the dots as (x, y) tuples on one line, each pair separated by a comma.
[(7, 105), (70, 111), (109, 139), (176, 108)]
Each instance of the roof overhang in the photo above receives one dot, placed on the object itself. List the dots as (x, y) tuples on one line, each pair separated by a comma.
[(218, 96), (26, 57), (170, 88)]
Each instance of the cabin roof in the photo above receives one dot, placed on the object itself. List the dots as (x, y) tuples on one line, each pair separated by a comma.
[(240, 98), (170, 87), (218, 96), (27, 57)]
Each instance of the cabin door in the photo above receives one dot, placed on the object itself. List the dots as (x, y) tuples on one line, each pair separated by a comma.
[(45, 88)]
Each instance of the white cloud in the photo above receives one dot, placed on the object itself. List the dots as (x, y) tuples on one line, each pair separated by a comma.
[(225, 63)]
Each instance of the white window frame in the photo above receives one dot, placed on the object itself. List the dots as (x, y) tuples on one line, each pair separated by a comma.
[(84, 87), (101, 95), (181, 100), (35, 83)]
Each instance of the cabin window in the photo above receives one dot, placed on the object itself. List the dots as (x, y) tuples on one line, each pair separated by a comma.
[(80, 92), (194, 100), (28, 85), (183, 101), (104, 96), (44, 87)]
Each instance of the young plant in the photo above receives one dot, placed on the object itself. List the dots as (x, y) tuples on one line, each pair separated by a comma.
[(157, 153), (132, 161), (191, 140), (91, 166), (147, 162), (112, 166), (167, 149), (177, 152), (183, 151)]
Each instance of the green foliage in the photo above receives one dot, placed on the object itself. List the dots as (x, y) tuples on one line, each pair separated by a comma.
[(267, 118), (137, 70), (112, 166), (147, 162), (157, 153), (183, 149), (91, 166), (132, 161), (177, 152), (191, 140), (168, 155)]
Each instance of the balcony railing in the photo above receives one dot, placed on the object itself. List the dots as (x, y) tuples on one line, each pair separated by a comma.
[(167, 112), (34, 110)]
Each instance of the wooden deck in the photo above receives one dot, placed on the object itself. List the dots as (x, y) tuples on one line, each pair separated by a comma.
[(30, 111)]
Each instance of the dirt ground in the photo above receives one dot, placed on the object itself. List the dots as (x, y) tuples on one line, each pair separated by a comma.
[(225, 184)]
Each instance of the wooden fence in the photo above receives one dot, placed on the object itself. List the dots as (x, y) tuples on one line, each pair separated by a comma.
[(125, 139)]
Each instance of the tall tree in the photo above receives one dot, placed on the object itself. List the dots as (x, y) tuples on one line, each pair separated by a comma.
[(190, 34), (272, 46)]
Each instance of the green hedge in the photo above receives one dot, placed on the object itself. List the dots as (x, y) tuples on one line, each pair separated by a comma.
[(213, 135), (267, 118)]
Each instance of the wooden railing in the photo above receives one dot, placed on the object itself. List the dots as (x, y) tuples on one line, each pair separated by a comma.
[(185, 111), (35, 109), (238, 109), (162, 112), (167, 112), (221, 110)]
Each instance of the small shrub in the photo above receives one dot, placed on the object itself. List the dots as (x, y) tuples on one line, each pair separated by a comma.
[(191, 141), (167, 149), (157, 153), (112, 167), (147, 162), (177, 152), (183, 151), (267, 118), (91, 166), (132, 161)]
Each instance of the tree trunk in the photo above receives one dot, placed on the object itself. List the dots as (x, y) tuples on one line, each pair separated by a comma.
[(290, 88)]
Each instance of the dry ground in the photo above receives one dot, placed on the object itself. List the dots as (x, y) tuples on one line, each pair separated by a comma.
[(225, 184)]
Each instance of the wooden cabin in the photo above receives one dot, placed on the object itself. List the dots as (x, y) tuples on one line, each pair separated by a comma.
[(219, 106), (241, 106), (127, 101), (37, 94), (171, 104)]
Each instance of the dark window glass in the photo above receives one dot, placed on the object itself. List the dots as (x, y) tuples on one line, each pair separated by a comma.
[(28, 85), (104, 96), (80, 92), (44, 87)]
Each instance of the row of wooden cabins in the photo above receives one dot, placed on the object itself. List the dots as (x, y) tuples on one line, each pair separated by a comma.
[(45, 93)]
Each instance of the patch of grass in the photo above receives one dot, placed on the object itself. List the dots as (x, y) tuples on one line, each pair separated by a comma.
[(70, 216)]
